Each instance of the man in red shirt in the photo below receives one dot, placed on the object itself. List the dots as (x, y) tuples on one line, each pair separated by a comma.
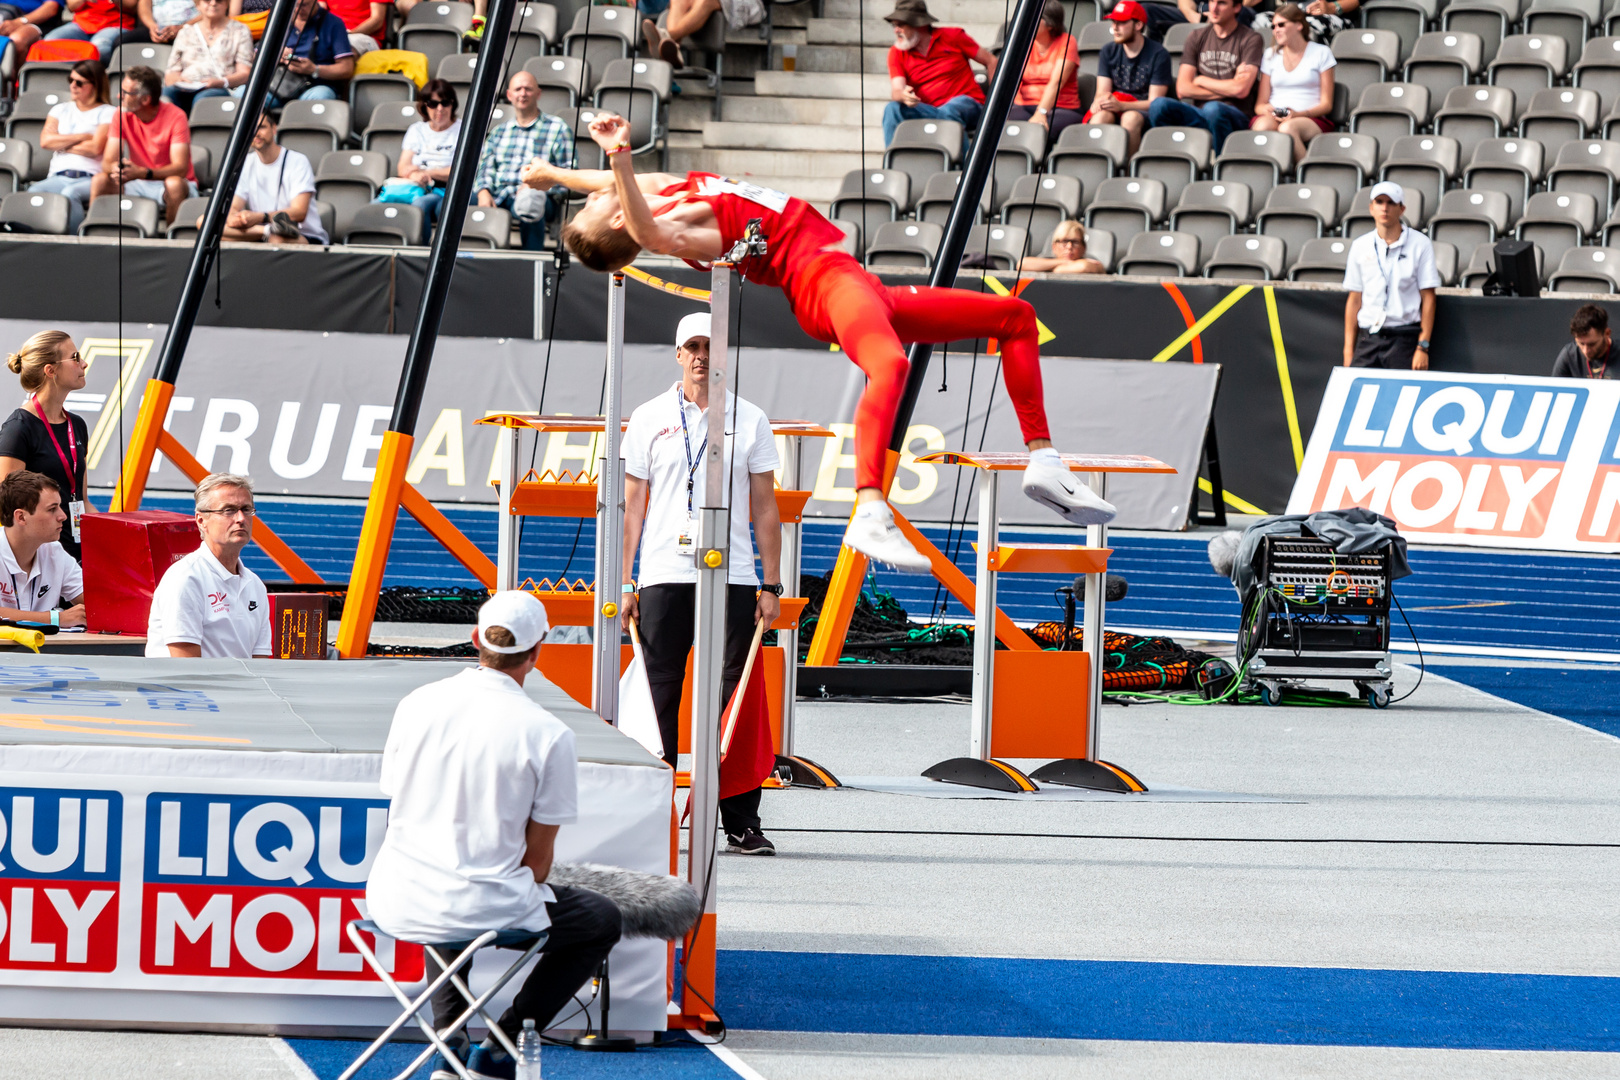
[(700, 217), (929, 76), (364, 19), (149, 147)]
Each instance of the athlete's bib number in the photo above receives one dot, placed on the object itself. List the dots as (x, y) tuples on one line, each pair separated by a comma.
[(774, 201)]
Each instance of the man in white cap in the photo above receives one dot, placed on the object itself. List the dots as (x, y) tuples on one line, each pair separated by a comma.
[(664, 479), (1391, 277), (481, 777)]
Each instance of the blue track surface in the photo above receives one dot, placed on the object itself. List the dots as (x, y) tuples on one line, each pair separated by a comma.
[(1483, 599), (680, 1059), (1588, 696)]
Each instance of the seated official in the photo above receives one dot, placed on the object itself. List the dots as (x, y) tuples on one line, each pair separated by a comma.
[(1592, 354), (209, 603), (36, 574), (481, 777)]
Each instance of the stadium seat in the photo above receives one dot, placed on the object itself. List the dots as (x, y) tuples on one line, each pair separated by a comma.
[(1511, 166), (203, 164), (1557, 223), (457, 70), (486, 227), (1090, 42), (534, 32), (1611, 229), (1407, 19), (600, 35), (1295, 213), (1599, 69), (1209, 210), (1365, 58), (639, 91), (41, 212), (1161, 254), (1527, 63), (1483, 261), (1174, 155), (710, 41), (923, 148), (1006, 245), (1100, 245), (366, 92), (1490, 19), (347, 180), (1259, 159), (1259, 258), (565, 82), (1126, 206), (1389, 110), (1591, 166), (211, 123), (1445, 262), (313, 128), (939, 192), (872, 197), (1572, 20), (1039, 204), (1424, 163), (385, 225), (1466, 218), (435, 28), (137, 54), (587, 155), (45, 77), (1091, 153), (852, 237), (185, 219), (15, 158), (1472, 114), (499, 114), (28, 115), (1560, 115), (1322, 260), (1175, 40), (1444, 61), (1340, 160), (386, 131), (1356, 218), (904, 243), (1019, 152), (111, 215), (1583, 270)]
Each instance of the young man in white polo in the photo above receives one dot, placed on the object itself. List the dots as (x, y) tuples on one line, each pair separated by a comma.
[(1391, 278), (481, 777), (664, 479), (209, 604), (36, 573)]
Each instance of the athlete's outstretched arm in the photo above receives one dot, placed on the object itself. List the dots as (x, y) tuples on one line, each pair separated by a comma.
[(612, 133), (542, 174)]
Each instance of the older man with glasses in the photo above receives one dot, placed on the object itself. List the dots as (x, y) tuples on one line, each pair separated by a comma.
[(209, 603), (530, 135)]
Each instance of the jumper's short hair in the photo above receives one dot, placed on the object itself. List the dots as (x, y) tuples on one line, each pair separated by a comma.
[(600, 247), (213, 481), (1589, 317), (21, 491)]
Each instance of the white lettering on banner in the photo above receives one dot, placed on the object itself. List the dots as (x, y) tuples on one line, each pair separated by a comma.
[(78, 919), (284, 862), (24, 949), (441, 449), (331, 854), (329, 954), (833, 459), (22, 836), (1469, 514), (1608, 501), (1359, 434), (927, 475), (1401, 418), (177, 404), (1402, 504), (219, 840), (1457, 435), (247, 932), (1347, 487), (95, 836), (381, 947), (1520, 492), (214, 919), (1495, 440), (1555, 427), (364, 441), (170, 861), (319, 446), (214, 436)]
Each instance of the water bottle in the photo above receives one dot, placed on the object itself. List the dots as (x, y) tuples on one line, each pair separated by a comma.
[(528, 1052)]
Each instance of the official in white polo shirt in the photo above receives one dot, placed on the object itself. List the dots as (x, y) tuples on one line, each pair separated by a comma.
[(36, 573), (664, 478), (209, 603), (1391, 278), (481, 777)]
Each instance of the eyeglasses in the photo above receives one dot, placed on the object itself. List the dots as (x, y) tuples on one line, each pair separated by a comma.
[(232, 511), (1069, 240), (440, 104)]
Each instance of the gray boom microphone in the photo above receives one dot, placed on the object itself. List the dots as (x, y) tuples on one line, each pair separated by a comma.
[(1115, 588)]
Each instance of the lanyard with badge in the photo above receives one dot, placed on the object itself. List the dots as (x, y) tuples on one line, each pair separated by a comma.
[(75, 504), (686, 542), (1390, 282)]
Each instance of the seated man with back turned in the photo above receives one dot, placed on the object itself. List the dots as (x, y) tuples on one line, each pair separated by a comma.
[(1592, 354), (209, 603), (481, 778), (36, 574)]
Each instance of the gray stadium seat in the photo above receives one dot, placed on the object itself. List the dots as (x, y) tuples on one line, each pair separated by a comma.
[(1443, 61), (1126, 206), (347, 180), (366, 92), (886, 195), (1425, 163), (41, 211), (313, 128), (904, 243), (434, 29), (1321, 260), (486, 227), (565, 82), (1039, 203), (1175, 40), (600, 35), (1572, 20), (1591, 166), (1090, 41), (1175, 155), (1389, 110), (211, 122), (1556, 223), (1365, 57), (1295, 213), (185, 219), (1588, 270), (43, 76), (457, 69), (1356, 217), (1100, 245), (1091, 153), (1527, 63), (1161, 254), (1259, 159), (111, 215), (386, 225), (1466, 218), (386, 130), (639, 91), (1258, 258), (1019, 152), (1005, 244), (534, 31), (1490, 19), (923, 148), (137, 54), (28, 115), (1408, 19), (1210, 210), (853, 242), (1445, 262), (939, 192), (1342, 161), (1472, 114), (15, 163), (1511, 166), (1599, 69)]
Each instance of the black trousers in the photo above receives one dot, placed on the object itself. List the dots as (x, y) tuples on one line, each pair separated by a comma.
[(584, 929), (666, 628), (1391, 347)]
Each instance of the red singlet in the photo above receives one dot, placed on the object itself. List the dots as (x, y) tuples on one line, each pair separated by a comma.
[(795, 234)]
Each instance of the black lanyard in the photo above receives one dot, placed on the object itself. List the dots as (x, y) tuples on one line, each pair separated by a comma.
[(686, 442)]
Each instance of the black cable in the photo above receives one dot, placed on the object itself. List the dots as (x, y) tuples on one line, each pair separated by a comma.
[(1368, 841), (1422, 667)]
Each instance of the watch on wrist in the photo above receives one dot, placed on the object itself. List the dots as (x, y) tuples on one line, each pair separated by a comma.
[(775, 590), (1423, 343)]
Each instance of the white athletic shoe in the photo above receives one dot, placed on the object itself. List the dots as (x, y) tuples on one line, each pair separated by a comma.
[(873, 533), (1056, 488)]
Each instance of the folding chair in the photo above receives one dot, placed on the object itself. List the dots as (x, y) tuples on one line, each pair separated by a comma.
[(449, 972)]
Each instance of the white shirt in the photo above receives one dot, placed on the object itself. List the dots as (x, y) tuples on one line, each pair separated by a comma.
[(54, 577), (1388, 277), (1302, 87), (470, 761), (198, 601), (71, 120), (431, 149), (264, 189), (656, 449)]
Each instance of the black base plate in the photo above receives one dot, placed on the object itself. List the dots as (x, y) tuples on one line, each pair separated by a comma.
[(1077, 772), (971, 772), (609, 1043)]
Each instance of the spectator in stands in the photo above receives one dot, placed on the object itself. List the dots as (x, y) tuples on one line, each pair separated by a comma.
[(1132, 72), (929, 75), (106, 24), (209, 603), (149, 151), (1162, 16), (272, 203), (1296, 82), (1592, 354), (211, 56), (1327, 17), (364, 19), (1216, 80), (36, 574), (163, 19), (1068, 253), (317, 62), (529, 136), (76, 134), (1391, 278), (42, 436), (23, 22), (429, 145), (1049, 92), (686, 17)]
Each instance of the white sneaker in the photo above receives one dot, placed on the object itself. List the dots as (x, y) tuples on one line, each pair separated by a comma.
[(1056, 488), (873, 533)]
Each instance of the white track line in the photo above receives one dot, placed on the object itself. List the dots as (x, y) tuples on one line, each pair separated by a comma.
[(729, 1057), (296, 1064)]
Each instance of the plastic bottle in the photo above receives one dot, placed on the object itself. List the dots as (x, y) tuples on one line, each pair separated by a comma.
[(528, 1056)]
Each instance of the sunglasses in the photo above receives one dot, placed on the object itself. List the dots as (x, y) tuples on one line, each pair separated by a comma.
[(75, 80), (436, 104)]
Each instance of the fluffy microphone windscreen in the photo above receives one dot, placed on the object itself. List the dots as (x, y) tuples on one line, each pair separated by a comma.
[(1223, 549)]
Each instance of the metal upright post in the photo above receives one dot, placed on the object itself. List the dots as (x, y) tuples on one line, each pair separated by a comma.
[(610, 519), (1097, 537), (506, 531), (984, 619), (792, 549)]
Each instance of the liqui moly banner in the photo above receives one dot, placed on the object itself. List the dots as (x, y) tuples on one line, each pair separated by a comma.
[(1497, 461)]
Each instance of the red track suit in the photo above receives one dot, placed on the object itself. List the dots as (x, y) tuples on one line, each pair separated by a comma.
[(836, 301)]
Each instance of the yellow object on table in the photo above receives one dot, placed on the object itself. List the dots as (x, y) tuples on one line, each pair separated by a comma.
[(31, 639)]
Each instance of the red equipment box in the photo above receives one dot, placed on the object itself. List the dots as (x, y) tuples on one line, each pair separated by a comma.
[(298, 626), (125, 556)]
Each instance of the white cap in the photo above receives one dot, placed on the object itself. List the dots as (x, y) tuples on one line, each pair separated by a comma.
[(694, 325), (518, 612), (1390, 188)]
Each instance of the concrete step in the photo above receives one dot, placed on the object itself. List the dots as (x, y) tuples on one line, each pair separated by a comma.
[(808, 84), (771, 164), (878, 32), (790, 137), (691, 116), (841, 58), (948, 12)]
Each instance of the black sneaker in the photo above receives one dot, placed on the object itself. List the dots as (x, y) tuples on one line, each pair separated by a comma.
[(751, 842), (282, 225)]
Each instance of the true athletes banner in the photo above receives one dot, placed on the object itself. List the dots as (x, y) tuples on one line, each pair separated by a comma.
[(1489, 460)]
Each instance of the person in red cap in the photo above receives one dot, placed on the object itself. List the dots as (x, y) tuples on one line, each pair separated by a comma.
[(1049, 91), (1132, 70)]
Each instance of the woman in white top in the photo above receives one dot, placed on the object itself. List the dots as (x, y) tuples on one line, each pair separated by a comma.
[(210, 57), (76, 133), (1296, 82), (429, 145)]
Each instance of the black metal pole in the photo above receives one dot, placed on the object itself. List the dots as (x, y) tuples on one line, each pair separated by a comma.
[(458, 193), (219, 203), (965, 208)]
